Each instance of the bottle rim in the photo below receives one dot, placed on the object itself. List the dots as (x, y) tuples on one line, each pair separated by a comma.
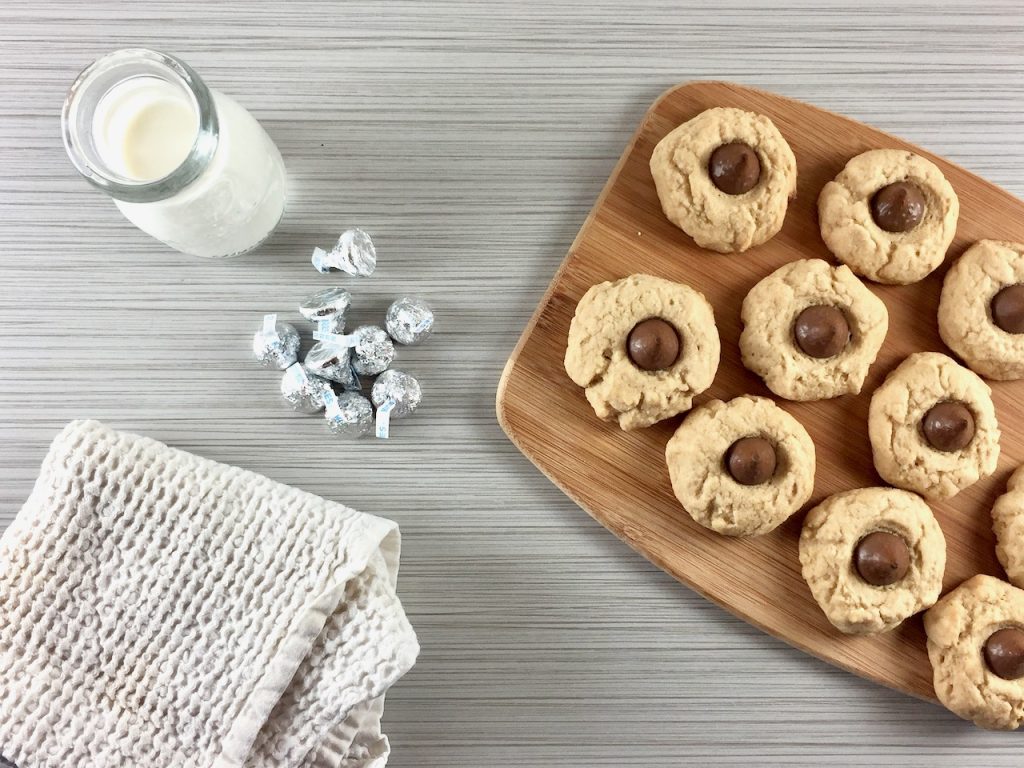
[(97, 80)]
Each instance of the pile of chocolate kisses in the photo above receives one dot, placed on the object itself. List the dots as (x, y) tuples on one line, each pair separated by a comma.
[(340, 359)]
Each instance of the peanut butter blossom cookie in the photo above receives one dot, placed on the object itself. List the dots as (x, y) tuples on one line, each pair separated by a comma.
[(642, 347), (890, 215), (976, 646), (811, 330), (981, 311), (1008, 526), (725, 178), (741, 468), (933, 427), (872, 557)]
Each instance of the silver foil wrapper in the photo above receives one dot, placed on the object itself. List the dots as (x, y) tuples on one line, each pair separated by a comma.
[(400, 387), (275, 345), (331, 304), (333, 362), (348, 414), (396, 395), (354, 253), (409, 320), (373, 351), (303, 391)]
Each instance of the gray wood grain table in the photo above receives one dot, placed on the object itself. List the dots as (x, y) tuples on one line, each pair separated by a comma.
[(471, 139)]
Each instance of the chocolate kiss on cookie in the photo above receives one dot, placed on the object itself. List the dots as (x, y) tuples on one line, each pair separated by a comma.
[(734, 168), (948, 426), (751, 460), (1004, 652), (898, 207), (1008, 309), (653, 345), (882, 558), (821, 331)]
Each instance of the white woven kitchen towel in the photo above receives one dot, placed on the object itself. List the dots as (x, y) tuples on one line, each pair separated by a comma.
[(158, 609)]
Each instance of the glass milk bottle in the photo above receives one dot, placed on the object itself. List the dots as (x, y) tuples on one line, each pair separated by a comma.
[(184, 163)]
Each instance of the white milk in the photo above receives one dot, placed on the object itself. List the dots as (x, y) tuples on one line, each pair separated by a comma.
[(144, 128), (143, 125)]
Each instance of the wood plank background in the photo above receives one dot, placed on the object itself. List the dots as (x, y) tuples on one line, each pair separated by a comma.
[(471, 139)]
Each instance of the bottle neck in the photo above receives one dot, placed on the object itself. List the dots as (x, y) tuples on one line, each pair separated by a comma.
[(91, 152)]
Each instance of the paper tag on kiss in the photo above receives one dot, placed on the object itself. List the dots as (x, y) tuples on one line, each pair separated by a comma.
[(270, 327), (384, 419), (324, 334)]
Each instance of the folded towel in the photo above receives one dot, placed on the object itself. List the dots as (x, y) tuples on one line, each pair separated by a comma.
[(159, 609)]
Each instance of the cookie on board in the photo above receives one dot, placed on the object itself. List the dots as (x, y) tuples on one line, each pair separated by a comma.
[(981, 310), (933, 427), (1008, 526), (872, 557), (642, 347), (742, 467), (811, 330), (976, 647), (725, 178), (889, 215)]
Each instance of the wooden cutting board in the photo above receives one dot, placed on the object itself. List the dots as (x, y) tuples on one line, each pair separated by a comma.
[(620, 478)]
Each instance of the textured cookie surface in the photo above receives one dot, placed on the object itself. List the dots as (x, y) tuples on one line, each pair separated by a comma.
[(596, 356), (965, 309), (768, 345), (1008, 526), (832, 530), (851, 233), (714, 219), (902, 455), (957, 627), (696, 456)]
